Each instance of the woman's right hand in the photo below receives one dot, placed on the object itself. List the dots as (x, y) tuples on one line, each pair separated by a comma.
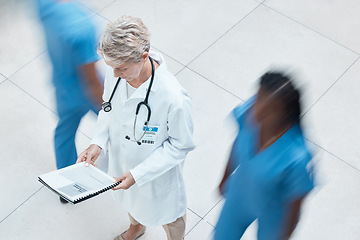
[(89, 155), (221, 187), (227, 173)]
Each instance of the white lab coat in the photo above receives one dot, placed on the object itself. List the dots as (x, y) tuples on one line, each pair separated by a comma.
[(158, 196)]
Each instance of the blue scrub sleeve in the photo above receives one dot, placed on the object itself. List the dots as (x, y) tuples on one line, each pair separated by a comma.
[(85, 47), (298, 180), (240, 111)]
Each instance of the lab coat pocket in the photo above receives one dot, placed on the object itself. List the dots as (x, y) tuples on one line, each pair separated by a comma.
[(158, 187)]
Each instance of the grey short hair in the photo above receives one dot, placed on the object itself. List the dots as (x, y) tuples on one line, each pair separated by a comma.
[(124, 40)]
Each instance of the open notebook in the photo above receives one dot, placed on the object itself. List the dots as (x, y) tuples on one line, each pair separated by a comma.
[(77, 183)]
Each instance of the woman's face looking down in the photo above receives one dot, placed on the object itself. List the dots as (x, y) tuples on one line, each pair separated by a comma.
[(268, 108)]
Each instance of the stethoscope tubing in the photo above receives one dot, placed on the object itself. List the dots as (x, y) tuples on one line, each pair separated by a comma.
[(106, 106)]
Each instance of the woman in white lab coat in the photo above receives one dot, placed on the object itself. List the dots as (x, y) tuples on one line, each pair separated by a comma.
[(147, 159)]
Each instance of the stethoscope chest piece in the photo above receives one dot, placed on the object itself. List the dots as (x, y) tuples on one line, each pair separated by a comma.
[(106, 106)]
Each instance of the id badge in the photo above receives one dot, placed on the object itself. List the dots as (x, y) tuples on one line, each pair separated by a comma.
[(150, 135)]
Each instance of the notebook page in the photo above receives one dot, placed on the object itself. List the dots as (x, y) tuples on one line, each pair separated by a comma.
[(77, 181)]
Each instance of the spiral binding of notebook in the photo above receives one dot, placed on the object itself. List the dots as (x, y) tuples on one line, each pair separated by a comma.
[(96, 193)]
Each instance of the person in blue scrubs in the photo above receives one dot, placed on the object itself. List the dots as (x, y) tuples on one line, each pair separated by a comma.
[(71, 42), (269, 170)]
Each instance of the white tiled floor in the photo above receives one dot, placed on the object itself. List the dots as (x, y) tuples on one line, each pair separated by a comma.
[(217, 49), (2, 78), (334, 117), (21, 39), (337, 20)]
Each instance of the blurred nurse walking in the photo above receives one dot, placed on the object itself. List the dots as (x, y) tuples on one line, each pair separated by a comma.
[(268, 173)]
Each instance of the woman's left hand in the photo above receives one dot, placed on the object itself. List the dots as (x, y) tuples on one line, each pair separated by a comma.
[(126, 180)]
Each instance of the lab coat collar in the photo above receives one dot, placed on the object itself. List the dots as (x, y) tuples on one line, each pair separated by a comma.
[(141, 91), (123, 90)]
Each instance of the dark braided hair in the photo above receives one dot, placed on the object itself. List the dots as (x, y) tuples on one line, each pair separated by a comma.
[(281, 86)]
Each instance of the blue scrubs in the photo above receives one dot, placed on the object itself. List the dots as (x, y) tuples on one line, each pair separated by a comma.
[(71, 42), (265, 183)]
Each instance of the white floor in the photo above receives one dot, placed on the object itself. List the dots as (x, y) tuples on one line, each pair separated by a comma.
[(217, 49)]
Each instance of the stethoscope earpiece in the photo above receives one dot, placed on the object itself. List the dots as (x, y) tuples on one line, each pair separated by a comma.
[(128, 138)]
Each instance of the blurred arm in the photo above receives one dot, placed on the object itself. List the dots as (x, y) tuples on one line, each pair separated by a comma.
[(92, 83), (297, 183), (292, 217), (228, 171)]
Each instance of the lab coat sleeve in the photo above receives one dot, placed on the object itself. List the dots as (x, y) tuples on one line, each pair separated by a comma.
[(174, 149), (101, 132)]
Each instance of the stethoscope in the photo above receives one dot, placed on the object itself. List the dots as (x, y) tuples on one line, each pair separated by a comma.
[(106, 106)]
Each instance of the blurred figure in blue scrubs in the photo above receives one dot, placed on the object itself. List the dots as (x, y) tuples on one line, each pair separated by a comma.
[(71, 42), (269, 170)]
